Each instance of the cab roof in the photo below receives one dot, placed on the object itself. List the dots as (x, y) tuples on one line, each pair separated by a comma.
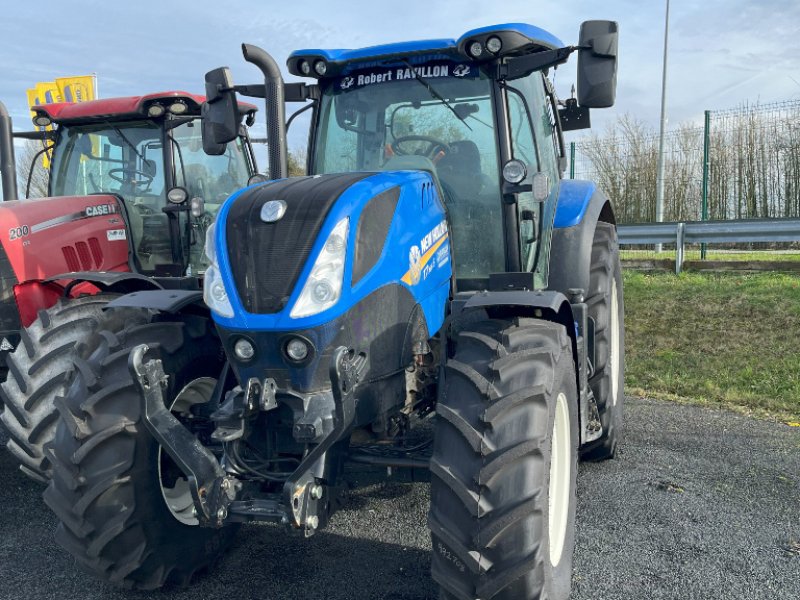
[(124, 107), (518, 38)]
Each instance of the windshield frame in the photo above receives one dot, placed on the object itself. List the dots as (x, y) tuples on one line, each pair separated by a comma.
[(501, 124), (107, 124)]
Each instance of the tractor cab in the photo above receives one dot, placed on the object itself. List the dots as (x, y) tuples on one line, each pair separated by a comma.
[(478, 113), (148, 152)]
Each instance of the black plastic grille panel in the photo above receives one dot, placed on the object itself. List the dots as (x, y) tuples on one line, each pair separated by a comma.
[(267, 258)]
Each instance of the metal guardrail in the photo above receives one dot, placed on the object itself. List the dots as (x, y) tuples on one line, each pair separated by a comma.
[(693, 232)]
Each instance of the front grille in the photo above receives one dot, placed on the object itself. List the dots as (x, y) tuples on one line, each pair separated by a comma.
[(97, 252), (83, 256), (267, 258)]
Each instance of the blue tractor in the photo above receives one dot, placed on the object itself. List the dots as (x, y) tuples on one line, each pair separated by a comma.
[(432, 272)]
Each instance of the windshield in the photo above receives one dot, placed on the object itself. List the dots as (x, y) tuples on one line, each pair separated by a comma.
[(437, 117), (125, 159), (129, 159)]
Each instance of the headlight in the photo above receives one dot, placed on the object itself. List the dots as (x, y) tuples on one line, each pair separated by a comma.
[(214, 293), (210, 249), (324, 285)]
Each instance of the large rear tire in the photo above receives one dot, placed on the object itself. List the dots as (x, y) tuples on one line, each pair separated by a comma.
[(107, 488), (37, 374), (606, 306), (504, 464)]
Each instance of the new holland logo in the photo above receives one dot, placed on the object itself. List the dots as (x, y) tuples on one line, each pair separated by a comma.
[(461, 70), (414, 266), (273, 211), (347, 83)]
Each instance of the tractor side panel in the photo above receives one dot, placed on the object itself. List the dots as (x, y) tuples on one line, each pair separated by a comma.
[(47, 237)]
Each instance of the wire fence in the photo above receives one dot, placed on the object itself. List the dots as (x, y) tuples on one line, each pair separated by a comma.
[(752, 171), (744, 163)]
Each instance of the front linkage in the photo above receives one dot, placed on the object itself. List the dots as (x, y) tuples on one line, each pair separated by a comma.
[(302, 503)]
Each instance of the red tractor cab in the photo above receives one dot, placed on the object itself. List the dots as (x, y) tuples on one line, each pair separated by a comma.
[(131, 194)]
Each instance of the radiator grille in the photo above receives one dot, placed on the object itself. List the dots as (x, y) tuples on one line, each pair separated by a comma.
[(267, 258), (71, 256)]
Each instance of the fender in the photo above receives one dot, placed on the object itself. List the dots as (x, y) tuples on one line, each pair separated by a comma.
[(107, 281), (580, 206), (168, 301)]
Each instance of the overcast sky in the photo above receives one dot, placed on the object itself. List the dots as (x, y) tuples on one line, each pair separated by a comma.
[(722, 52)]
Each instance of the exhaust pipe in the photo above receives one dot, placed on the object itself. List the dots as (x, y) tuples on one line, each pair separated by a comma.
[(275, 110), (8, 170)]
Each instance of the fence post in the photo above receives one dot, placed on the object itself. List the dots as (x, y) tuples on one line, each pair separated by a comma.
[(679, 247), (572, 160), (706, 173)]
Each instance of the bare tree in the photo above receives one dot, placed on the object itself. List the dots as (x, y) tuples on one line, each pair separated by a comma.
[(30, 165), (754, 165), (297, 162)]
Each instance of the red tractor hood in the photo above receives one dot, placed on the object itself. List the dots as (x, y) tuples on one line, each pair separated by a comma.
[(51, 236)]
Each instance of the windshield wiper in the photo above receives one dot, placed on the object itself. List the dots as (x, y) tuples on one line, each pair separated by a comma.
[(435, 94), (127, 141)]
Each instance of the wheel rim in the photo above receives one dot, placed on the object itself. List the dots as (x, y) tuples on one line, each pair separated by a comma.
[(560, 477), (614, 348), (175, 490)]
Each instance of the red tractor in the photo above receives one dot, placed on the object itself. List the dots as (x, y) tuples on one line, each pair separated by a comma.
[(131, 195)]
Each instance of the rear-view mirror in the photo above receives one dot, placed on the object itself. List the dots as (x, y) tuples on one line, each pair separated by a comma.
[(220, 112), (597, 64)]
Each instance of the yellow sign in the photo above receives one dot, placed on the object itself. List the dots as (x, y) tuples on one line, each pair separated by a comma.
[(64, 89), (76, 89), (47, 92)]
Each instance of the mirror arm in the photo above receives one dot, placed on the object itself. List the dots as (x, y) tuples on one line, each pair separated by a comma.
[(46, 135), (256, 90), (520, 66), (510, 191), (294, 92)]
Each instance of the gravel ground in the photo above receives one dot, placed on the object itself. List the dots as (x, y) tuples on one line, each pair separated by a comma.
[(701, 504)]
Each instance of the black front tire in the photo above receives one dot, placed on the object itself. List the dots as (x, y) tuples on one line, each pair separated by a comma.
[(106, 489), (490, 515), (38, 375)]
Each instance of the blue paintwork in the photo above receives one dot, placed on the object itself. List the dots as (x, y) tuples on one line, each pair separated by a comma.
[(446, 46), (573, 200), (537, 35), (415, 216), (443, 46)]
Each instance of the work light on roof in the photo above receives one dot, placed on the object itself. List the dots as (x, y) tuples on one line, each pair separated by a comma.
[(305, 67), (155, 110), (42, 120), (494, 44), (178, 107), (475, 49), (321, 67)]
